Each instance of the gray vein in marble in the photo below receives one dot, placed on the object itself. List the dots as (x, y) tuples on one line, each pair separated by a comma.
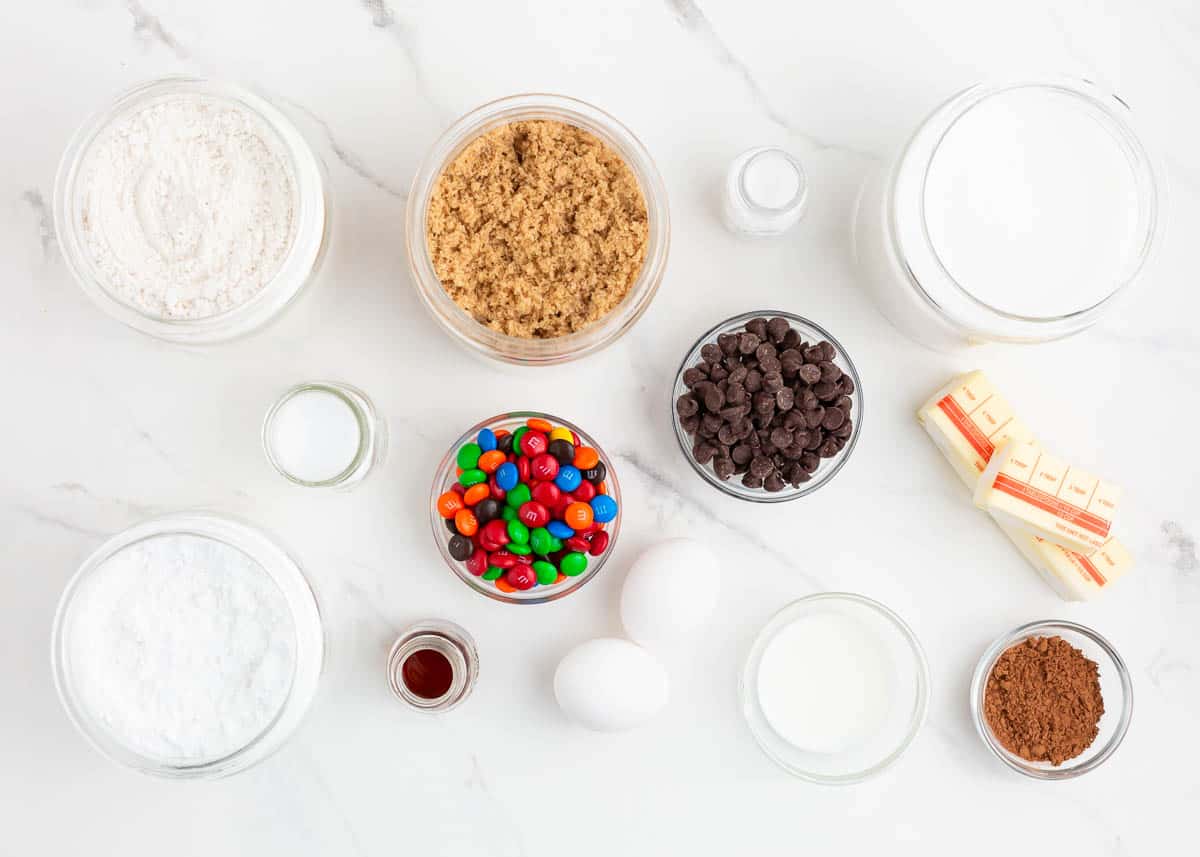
[(660, 479), (692, 18), (331, 801), (133, 508), (60, 523), (1184, 547), (349, 159), (45, 223), (383, 18), (148, 29)]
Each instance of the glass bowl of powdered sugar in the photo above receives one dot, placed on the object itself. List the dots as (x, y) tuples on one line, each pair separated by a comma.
[(191, 210), (188, 646)]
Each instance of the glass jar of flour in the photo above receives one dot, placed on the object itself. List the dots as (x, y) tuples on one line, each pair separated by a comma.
[(191, 210), (1018, 212)]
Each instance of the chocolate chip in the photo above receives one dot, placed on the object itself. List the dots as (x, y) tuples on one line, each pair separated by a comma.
[(833, 419), (772, 382), (814, 417), (846, 385), (692, 376), (773, 483), (770, 364), (689, 424), (726, 435), (791, 339), (761, 466), (752, 481), (703, 451), (829, 448), (781, 437), (813, 355), (825, 391), (718, 373), (777, 329), (724, 468), (741, 454), (709, 423), (827, 350), (757, 326), (753, 381), (829, 372), (810, 461), (711, 352), (784, 399), (728, 343), (844, 403), (714, 399), (747, 343), (686, 405), (809, 373)]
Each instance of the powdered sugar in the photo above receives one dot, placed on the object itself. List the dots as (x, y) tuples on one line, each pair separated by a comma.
[(182, 647), (188, 206)]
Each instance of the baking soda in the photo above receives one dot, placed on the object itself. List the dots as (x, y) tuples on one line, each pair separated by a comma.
[(182, 647)]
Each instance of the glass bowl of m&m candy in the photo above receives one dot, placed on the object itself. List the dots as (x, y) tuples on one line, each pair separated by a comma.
[(525, 507)]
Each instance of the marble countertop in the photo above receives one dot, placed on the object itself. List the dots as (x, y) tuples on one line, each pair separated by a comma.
[(104, 427)]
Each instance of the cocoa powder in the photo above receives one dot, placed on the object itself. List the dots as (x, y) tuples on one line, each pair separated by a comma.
[(1042, 700)]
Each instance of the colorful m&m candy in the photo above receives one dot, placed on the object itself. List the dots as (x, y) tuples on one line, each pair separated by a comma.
[(529, 508)]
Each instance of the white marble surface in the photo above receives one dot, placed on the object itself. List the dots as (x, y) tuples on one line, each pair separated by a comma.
[(102, 426)]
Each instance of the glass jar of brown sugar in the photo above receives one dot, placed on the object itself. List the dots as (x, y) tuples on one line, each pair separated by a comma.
[(433, 665)]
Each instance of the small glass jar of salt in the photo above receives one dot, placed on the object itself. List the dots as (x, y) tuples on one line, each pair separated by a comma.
[(323, 434), (766, 193)]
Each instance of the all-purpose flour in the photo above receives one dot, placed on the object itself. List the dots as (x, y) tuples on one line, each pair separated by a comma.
[(188, 206), (183, 647)]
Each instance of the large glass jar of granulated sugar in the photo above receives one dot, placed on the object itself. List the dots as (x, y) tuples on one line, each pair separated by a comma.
[(1018, 212)]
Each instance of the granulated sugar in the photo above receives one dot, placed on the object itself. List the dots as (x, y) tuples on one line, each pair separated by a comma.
[(183, 647), (188, 207)]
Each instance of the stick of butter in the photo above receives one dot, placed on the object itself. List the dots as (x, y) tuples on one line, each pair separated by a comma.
[(967, 419), (1073, 576), (1032, 491)]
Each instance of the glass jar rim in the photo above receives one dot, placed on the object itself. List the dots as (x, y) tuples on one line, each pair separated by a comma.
[(303, 257), (364, 416), (481, 339), (925, 271)]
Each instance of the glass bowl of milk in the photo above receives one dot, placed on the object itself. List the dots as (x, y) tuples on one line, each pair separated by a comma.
[(1017, 212), (835, 688)]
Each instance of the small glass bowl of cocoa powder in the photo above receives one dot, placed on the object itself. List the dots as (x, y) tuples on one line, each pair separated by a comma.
[(513, 292), (1052, 691)]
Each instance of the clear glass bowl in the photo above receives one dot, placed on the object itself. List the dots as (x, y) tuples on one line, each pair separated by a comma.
[(313, 216), (830, 467), (909, 692), (1116, 687), (446, 475), (309, 644), (516, 350), (908, 280), (372, 433)]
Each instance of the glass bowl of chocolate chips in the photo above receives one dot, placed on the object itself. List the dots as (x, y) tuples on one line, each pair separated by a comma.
[(767, 406)]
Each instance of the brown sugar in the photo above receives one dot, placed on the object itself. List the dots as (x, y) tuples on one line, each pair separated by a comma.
[(1042, 700), (537, 229)]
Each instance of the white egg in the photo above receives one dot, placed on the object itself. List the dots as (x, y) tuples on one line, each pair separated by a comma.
[(670, 592), (610, 684)]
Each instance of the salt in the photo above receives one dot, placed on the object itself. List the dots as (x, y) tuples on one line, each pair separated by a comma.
[(182, 648), (313, 435)]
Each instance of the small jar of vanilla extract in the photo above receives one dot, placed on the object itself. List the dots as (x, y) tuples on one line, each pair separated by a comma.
[(433, 665)]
